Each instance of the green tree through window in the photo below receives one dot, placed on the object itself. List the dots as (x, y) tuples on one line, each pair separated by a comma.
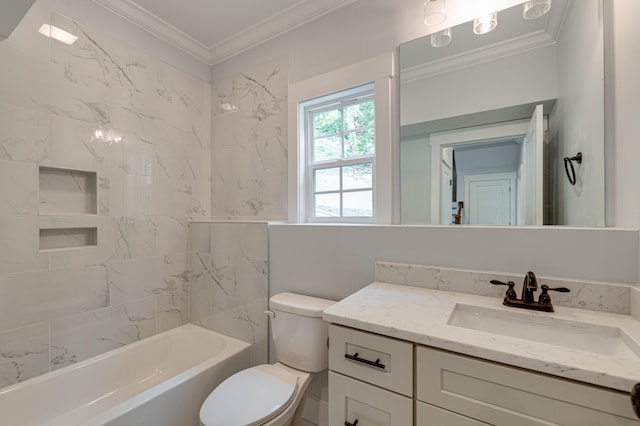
[(342, 153)]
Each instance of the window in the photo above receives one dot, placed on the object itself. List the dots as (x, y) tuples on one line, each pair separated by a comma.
[(341, 147), (369, 80)]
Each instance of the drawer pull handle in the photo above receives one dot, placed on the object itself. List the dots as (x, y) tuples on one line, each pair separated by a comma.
[(635, 399), (356, 358), (346, 423)]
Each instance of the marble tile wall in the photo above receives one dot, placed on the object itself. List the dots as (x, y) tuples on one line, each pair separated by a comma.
[(597, 296), (62, 306), (229, 281), (249, 144)]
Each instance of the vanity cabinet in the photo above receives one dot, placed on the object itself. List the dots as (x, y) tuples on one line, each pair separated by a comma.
[(501, 395), (430, 415), (379, 380), (370, 379), (354, 402)]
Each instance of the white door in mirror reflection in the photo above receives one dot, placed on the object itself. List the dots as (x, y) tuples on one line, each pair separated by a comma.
[(532, 171), (492, 199), (446, 185), (496, 170)]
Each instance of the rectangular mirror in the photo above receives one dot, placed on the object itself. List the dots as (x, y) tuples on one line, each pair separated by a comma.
[(487, 121)]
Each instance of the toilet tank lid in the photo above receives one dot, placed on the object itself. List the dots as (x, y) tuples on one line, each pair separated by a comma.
[(300, 304)]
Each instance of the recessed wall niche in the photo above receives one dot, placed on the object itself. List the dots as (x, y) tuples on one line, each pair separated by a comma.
[(67, 238), (67, 192)]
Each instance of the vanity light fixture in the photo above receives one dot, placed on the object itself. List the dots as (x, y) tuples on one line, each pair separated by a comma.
[(441, 38), (58, 34), (435, 12), (535, 8), (485, 24)]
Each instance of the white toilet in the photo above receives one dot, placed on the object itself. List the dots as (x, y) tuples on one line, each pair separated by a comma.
[(270, 394)]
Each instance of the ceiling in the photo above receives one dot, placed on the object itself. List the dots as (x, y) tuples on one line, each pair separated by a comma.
[(214, 30), (12, 14)]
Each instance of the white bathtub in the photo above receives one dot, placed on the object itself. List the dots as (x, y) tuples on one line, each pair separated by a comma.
[(161, 380)]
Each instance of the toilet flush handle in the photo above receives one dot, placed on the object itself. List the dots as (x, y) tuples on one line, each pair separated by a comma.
[(270, 314)]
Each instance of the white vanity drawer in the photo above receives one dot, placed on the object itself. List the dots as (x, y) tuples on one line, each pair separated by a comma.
[(429, 415), (375, 359), (352, 400), (502, 395)]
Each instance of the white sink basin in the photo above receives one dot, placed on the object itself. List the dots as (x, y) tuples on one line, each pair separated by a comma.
[(600, 339)]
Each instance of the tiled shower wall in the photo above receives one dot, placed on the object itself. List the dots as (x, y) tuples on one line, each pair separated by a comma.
[(229, 281), (249, 144), (62, 306), (229, 271)]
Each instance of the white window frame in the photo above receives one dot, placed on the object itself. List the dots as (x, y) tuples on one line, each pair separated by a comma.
[(330, 102), (379, 71)]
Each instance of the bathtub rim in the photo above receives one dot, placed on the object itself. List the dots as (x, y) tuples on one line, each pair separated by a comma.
[(233, 347)]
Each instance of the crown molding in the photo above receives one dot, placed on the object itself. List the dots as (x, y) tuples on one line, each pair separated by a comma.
[(476, 56), (294, 16), (158, 27), (267, 29)]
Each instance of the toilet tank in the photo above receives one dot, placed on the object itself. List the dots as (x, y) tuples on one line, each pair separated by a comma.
[(299, 332)]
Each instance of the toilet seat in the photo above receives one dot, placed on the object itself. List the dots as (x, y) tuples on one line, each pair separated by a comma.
[(250, 397)]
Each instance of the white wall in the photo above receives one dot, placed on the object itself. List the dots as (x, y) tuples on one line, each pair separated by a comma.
[(577, 122), (626, 104), (517, 79), (415, 180), (626, 33), (334, 261)]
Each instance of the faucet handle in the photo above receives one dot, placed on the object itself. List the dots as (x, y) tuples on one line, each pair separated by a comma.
[(511, 293), (546, 288), (545, 299)]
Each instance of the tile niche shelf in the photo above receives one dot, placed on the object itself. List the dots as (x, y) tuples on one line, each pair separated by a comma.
[(67, 238), (66, 192)]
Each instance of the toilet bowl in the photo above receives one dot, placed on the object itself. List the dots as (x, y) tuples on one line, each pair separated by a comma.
[(270, 394), (265, 395)]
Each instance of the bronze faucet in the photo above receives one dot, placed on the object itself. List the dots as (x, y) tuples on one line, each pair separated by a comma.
[(527, 301), (529, 285)]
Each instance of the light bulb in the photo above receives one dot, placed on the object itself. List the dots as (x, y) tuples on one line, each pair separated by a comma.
[(441, 38), (485, 24), (435, 12), (535, 8)]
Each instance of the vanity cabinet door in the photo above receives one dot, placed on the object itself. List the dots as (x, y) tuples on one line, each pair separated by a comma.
[(507, 396), (351, 400), (429, 415), (372, 358)]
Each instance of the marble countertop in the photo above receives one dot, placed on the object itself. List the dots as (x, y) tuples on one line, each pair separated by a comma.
[(421, 315)]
